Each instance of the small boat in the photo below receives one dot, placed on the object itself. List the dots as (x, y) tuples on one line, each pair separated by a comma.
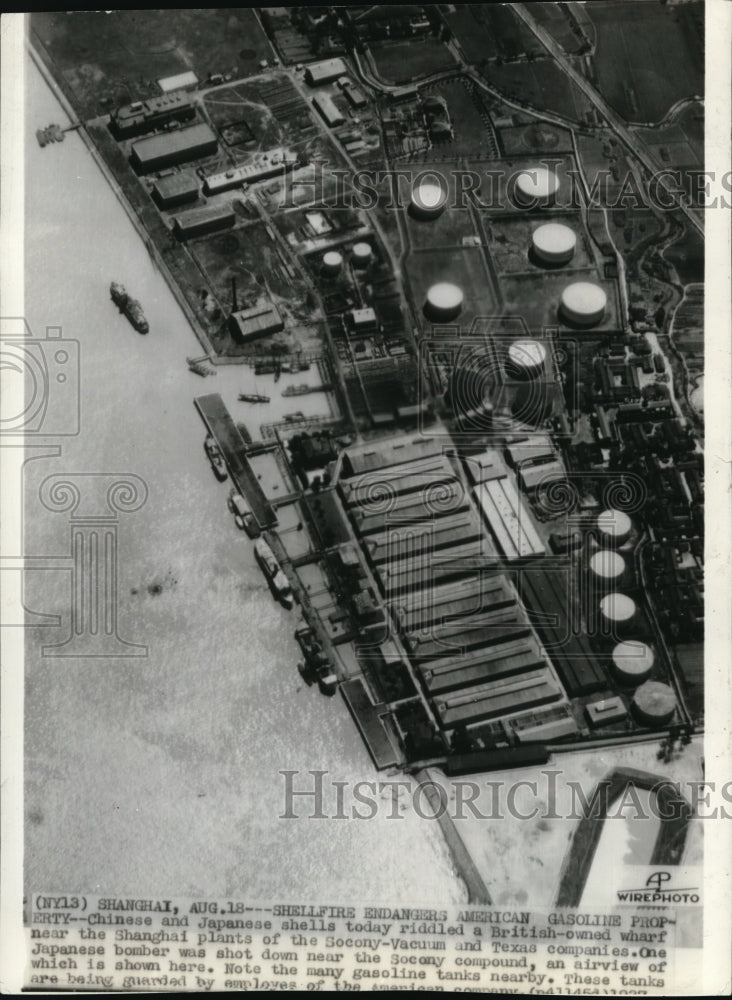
[(274, 573), (252, 397), (293, 418), (197, 366), (215, 457), (298, 390), (129, 306)]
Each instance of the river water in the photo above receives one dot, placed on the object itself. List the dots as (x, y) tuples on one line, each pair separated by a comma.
[(159, 774)]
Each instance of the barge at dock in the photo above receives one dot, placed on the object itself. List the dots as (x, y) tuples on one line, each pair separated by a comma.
[(274, 572), (215, 457), (129, 306)]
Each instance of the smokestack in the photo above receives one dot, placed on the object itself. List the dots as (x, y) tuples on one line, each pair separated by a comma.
[(234, 305)]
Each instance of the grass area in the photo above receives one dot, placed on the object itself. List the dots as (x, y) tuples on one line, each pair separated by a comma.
[(466, 116), (687, 256), (542, 84), (488, 31), (106, 59), (538, 138), (558, 22), (648, 55), (399, 62)]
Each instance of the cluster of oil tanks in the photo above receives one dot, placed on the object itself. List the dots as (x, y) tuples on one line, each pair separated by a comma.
[(631, 660)]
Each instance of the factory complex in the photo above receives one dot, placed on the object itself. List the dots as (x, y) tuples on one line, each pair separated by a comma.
[(501, 456)]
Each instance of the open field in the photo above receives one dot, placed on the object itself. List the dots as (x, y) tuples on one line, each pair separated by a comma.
[(106, 59), (537, 138), (542, 84), (687, 256), (488, 31), (648, 55), (556, 19), (399, 62)]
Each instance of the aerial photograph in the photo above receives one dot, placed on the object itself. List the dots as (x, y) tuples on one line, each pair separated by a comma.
[(369, 463)]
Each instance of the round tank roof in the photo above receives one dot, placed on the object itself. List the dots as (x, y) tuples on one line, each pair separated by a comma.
[(429, 197), (584, 302), (444, 295), (537, 183), (633, 659), (332, 259), (655, 701), (614, 523), (527, 354), (617, 607), (553, 241), (607, 564), (362, 251)]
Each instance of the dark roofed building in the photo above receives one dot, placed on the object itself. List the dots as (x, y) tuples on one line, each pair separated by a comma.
[(170, 148), (259, 321)]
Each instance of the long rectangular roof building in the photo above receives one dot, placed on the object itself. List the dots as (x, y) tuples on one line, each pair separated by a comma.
[(324, 72), (168, 148), (509, 520)]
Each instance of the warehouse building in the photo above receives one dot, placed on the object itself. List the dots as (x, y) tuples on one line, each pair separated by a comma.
[(176, 190), (326, 71), (509, 520), (170, 148), (404, 540), (531, 477), (481, 666), (259, 321), (499, 697), (145, 116), (264, 167), (545, 594), (326, 108), (201, 221), (463, 626)]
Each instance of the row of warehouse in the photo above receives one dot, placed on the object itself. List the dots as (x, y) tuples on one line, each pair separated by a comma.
[(434, 558)]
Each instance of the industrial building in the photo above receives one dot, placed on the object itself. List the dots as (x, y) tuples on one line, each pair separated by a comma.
[(143, 116), (263, 167), (259, 321), (509, 520), (201, 221), (326, 108), (326, 71), (170, 148), (175, 190), (460, 619)]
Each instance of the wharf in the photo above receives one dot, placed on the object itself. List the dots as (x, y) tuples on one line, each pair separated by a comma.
[(234, 450), (367, 717)]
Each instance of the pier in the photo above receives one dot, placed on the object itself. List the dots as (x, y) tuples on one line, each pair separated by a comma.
[(234, 450)]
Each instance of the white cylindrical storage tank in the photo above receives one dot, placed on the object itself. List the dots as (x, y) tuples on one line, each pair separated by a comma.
[(536, 187), (526, 359), (332, 262), (607, 567), (553, 244), (654, 703), (429, 198), (444, 301), (362, 254), (613, 527), (632, 662), (583, 303), (617, 612)]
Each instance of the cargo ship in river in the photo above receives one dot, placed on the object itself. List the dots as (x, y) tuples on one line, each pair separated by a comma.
[(129, 306)]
